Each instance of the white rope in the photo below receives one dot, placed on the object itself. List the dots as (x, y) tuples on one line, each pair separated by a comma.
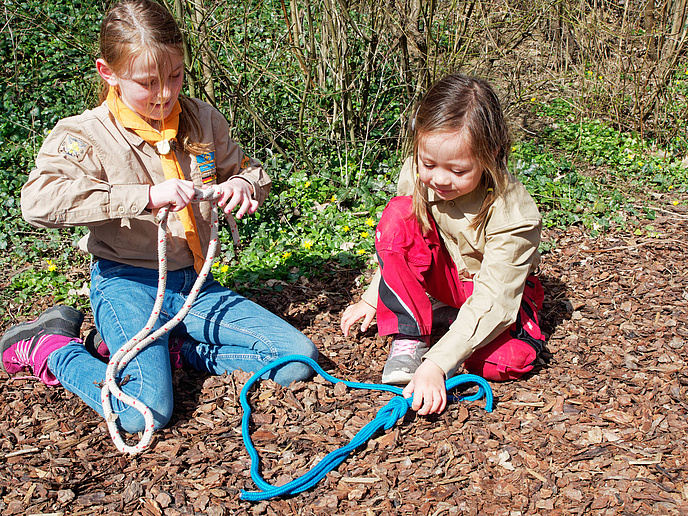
[(142, 339)]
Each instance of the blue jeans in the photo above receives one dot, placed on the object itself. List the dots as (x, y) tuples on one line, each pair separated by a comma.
[(223, 332)]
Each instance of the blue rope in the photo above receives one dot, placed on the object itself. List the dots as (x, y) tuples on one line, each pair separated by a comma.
[(386, 417)]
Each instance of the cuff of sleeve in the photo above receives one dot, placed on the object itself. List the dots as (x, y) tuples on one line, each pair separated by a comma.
[(449, 353), (259, 180), (253, 186), (370, 295), (128, 201)]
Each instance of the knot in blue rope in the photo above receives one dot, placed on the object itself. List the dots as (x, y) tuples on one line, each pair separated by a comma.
[(386, 417), (395, 410)]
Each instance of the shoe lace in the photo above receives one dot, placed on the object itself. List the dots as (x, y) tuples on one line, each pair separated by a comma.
[(24, 352), (404, 347)]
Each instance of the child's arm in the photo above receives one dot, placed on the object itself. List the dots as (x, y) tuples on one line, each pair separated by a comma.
[(71, 183), (510, 256)]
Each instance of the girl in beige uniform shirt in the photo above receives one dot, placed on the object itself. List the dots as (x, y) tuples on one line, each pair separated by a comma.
[(466, 232), (110, 169)]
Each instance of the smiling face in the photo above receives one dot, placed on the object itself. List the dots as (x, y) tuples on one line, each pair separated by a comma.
[(446, 164), (143, 89)]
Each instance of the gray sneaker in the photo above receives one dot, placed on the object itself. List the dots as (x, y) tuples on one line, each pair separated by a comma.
[(404, 358)]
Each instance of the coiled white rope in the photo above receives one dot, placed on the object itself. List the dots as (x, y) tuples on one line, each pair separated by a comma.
[(142, 339)]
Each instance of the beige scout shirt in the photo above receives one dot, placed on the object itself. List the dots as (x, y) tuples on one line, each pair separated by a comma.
[(498, 257), (92, 172)]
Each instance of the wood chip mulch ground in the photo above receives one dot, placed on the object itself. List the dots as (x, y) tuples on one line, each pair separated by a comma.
[(600, 430)]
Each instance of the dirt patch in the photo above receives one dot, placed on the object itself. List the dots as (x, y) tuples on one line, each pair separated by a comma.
[(601, 430)]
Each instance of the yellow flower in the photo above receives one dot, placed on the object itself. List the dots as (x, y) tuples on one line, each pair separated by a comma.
[(224, 268), (51, 266), (346, 229), (533, 99), (370, 222), (360, 252), (589, 72), (671, 187), (334, 198), (216, 264), (307, 244), (675, 203), (640, 163), (308, 183), (286, 255), (364, 234)]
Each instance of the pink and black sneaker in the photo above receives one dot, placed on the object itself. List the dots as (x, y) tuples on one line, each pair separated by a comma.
[(26, 346)]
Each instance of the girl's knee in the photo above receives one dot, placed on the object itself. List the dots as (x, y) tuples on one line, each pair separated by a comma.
[(296, 370), (160, 403), (306, 348), (398, 227), (291, 372), (132, 421)]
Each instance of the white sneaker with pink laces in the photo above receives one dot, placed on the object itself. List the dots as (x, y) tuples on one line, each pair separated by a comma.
[(404, 358)]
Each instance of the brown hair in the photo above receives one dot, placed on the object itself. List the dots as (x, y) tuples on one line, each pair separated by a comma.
[(143, 27), (457, 103)]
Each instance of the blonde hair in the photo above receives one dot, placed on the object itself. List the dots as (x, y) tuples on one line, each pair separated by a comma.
[(459, 103), (133, 28)]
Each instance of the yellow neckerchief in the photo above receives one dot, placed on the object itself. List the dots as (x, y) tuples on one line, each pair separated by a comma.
[(170, 166)]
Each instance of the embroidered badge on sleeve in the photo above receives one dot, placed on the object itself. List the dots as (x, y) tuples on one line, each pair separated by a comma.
[(245, 161), (206, 163), (74, 147)]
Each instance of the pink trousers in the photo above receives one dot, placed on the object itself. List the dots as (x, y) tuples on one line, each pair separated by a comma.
[(414, 265)]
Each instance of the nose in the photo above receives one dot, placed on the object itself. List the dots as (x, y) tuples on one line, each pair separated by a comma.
[(165, 92), (441, 177)]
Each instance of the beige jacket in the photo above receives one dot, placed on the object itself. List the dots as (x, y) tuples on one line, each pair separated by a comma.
[(497, 258), (92, 172)]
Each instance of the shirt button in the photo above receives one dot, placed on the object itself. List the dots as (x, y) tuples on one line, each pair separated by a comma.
[(134, 208), (451, 203), (121, 209)]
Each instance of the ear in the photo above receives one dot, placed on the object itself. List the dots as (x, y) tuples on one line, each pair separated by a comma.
[(106, 73)]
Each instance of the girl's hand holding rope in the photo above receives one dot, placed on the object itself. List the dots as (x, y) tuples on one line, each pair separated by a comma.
[(237, 192), (175, 193)]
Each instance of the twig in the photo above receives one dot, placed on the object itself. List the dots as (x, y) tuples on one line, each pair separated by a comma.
[(21, 452), (643, 479), (679, 215), (624, 247)]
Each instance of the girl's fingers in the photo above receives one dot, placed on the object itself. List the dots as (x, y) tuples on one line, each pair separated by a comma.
[(245, 207), (437, 404)]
